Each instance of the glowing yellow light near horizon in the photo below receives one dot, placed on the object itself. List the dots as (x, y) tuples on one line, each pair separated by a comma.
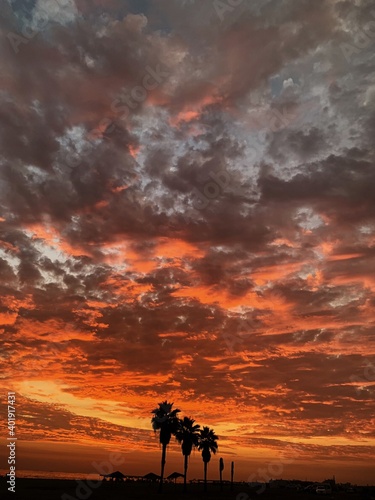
[(115, 413)]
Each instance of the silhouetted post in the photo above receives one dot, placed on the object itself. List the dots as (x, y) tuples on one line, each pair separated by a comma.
[(231, 476), (221, 468)]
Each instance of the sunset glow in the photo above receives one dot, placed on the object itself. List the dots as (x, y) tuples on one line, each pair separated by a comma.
[(187, 213)]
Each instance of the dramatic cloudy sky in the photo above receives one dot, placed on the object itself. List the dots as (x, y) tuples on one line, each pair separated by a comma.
[(187, 212)]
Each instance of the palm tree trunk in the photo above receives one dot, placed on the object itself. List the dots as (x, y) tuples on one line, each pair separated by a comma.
[(205, 476), (163, 454), (185, 470)]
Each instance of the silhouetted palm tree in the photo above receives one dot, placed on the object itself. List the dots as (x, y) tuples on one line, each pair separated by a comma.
[(207, 443), (165, 419), (188, 436)]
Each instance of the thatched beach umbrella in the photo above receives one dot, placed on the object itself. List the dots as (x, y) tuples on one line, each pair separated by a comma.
[(151, 476), (117, 476), (174, 476)]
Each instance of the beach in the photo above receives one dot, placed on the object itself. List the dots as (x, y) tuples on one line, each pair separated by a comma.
[(58, 489)]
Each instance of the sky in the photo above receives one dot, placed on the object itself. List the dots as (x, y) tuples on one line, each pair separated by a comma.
[(187, 213)]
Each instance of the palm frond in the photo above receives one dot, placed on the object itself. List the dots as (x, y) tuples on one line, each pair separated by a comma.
[(165, 419), (207, 441), (187, 434)]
